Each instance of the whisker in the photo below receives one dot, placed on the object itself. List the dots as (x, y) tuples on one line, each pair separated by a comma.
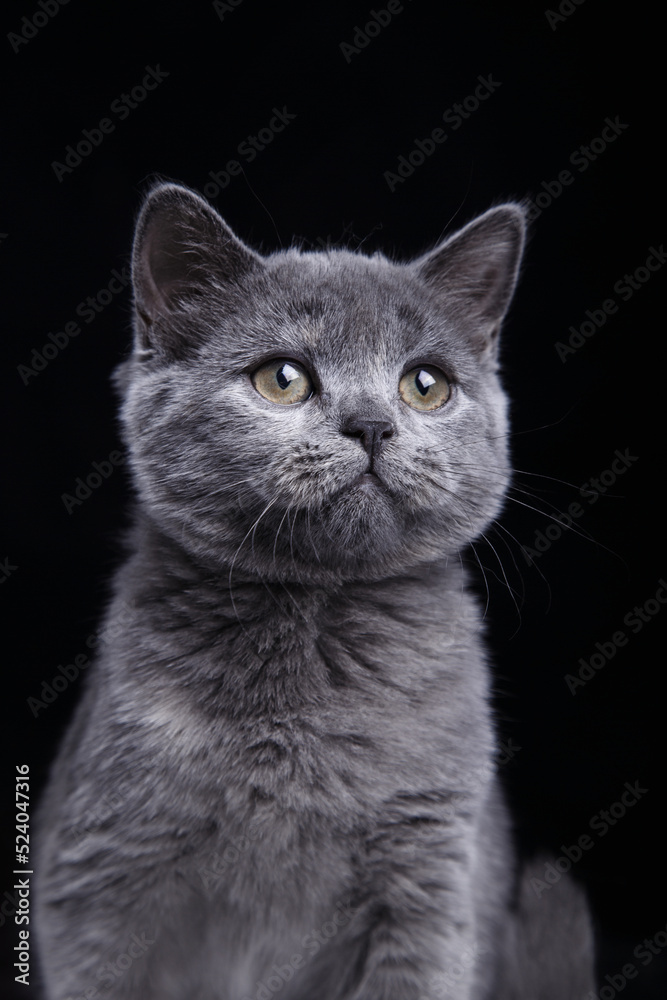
[(250, 530), (310, 536), (486, 582), (275, 544), (496, 527), (570, 527), (534, 565), (510, 589)]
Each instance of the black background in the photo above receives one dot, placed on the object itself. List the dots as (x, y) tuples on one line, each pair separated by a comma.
[(322, 179)]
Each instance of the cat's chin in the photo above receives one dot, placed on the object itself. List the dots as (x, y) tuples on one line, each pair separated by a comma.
[(367, 480)]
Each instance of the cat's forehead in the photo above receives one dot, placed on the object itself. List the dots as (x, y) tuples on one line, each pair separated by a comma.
[(348, 307), (339, 279)]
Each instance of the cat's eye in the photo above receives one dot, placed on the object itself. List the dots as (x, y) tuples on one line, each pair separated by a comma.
[(282, 381), (425, 388)]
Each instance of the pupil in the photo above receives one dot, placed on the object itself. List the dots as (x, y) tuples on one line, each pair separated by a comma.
[(423, 381), (285, 375)]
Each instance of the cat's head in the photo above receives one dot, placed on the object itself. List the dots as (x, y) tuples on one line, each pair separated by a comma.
[(316, 416)]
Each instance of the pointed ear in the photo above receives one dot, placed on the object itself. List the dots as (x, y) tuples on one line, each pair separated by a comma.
[(182, 251), (476, 270)]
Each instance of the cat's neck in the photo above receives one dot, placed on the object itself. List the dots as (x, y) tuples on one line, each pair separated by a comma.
[(160, 568), (187, 625)]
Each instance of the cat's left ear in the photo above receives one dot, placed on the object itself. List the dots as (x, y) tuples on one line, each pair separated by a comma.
[(476, 269), (183, 252)]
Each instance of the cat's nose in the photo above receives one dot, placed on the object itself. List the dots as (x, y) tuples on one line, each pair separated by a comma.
[(372, 433)]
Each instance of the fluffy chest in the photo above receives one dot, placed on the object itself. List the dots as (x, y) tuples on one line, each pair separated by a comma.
[(328, 712)]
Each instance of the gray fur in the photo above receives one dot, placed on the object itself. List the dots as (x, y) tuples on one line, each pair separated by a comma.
[(292, 727)]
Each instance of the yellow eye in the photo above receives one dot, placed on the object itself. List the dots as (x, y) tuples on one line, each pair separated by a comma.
[(424, 388), (283, 382)]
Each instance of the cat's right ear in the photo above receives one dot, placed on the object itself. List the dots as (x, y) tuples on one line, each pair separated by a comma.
[(183, 251), (476, 269)]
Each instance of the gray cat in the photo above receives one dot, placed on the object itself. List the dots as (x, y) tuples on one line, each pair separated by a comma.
[(280, 779)]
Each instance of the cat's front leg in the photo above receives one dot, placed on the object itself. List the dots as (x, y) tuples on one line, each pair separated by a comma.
[(418, 914), (96, 953), (103, 915)]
